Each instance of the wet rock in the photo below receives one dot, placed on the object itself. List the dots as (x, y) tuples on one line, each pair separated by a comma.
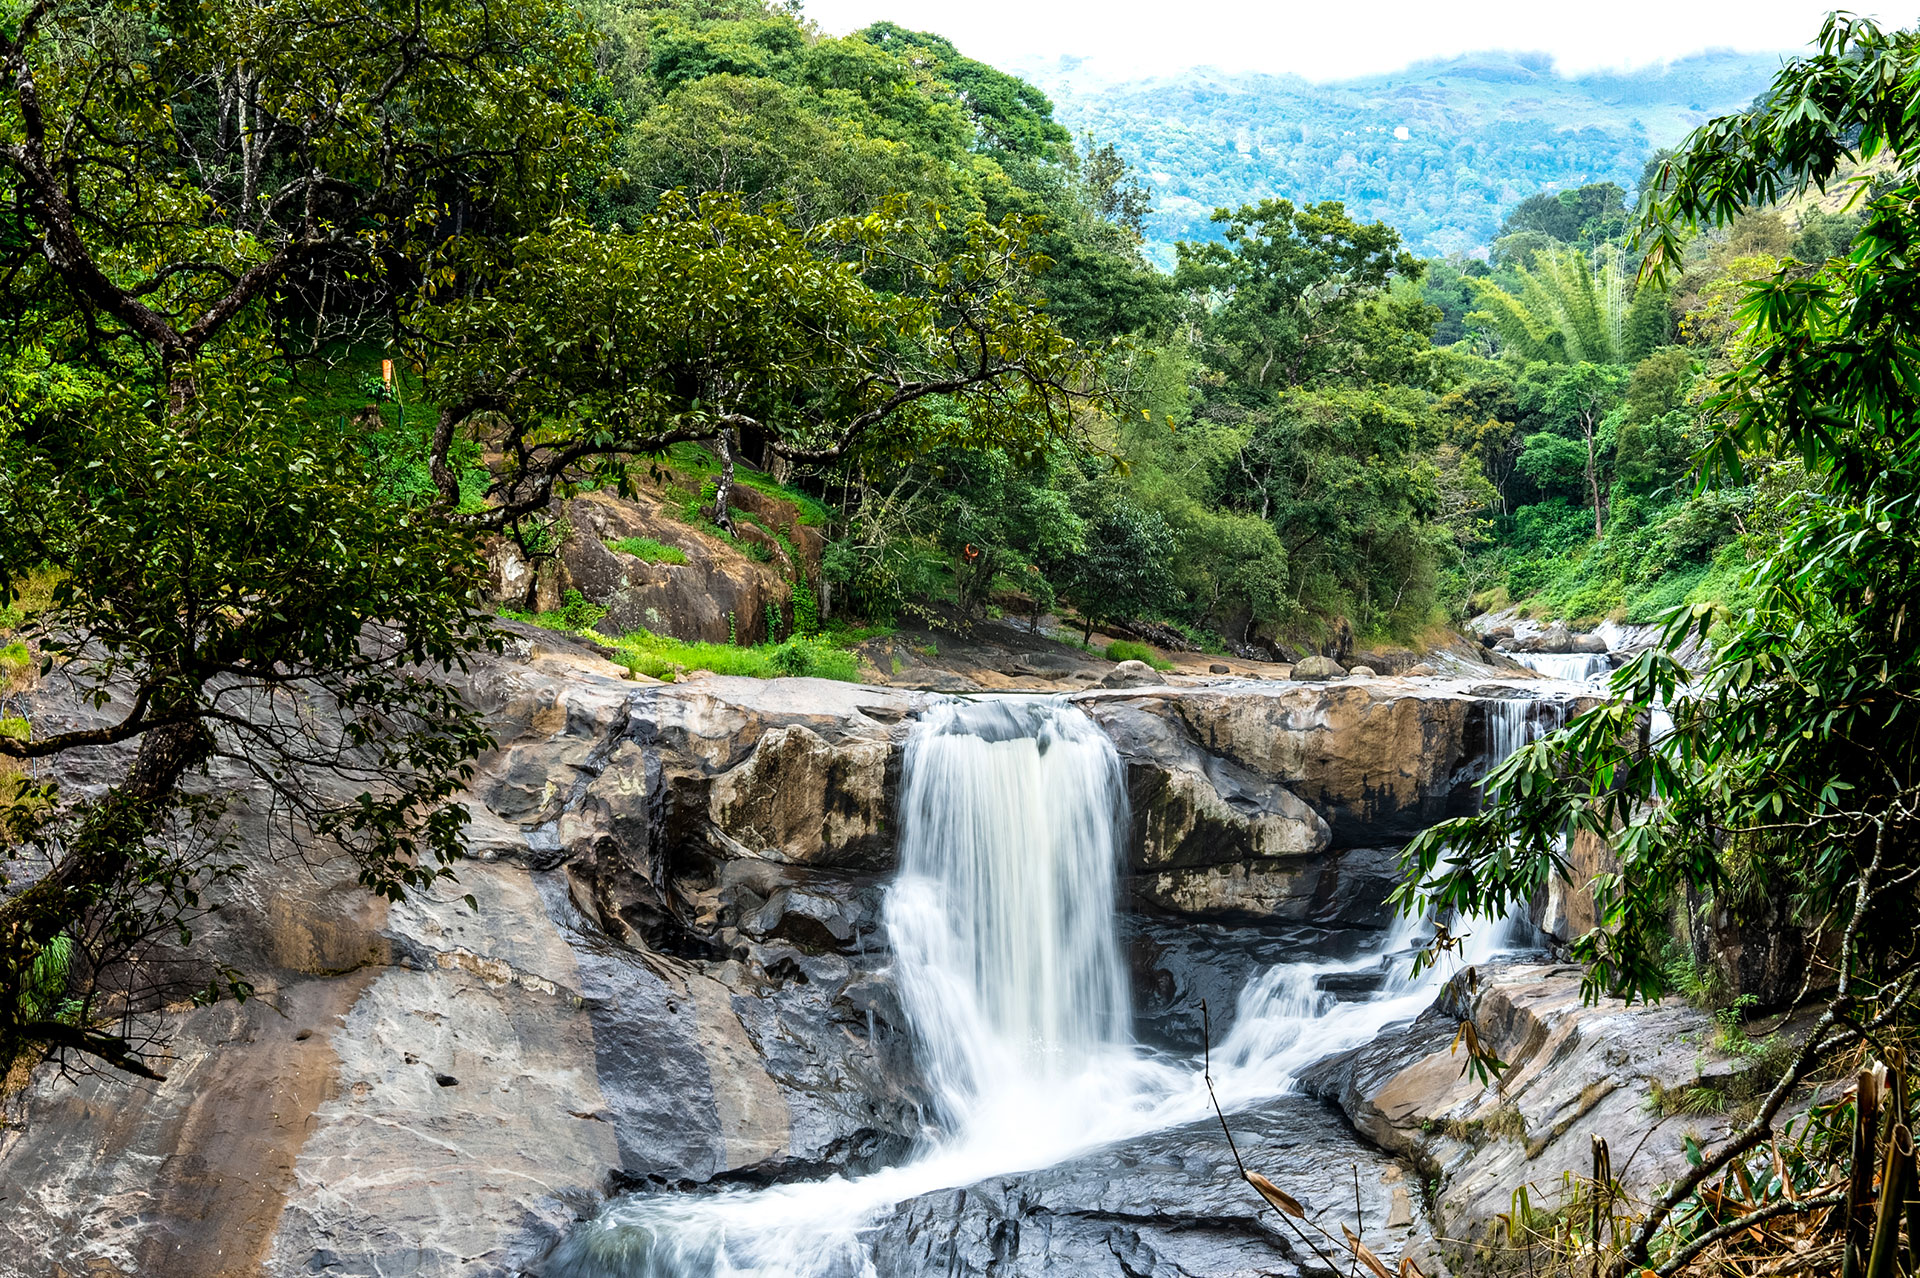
[(1317, 667), (1218, 668), (1420, 671), (1165, 1206), (1377, 761), (1575, 1072), (799, 797)]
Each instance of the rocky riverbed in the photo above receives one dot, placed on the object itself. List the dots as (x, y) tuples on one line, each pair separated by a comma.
[(675, 978)]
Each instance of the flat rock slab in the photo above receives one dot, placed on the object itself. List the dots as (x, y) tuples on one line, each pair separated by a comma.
[(1168, 1205)]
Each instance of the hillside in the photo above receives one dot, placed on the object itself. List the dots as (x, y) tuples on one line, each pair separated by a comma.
[(1481, 133)]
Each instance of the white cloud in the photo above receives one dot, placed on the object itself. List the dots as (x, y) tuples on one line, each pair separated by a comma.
[(1332, 41)]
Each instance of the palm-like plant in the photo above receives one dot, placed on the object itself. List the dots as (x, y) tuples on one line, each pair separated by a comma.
[(1570, 309)]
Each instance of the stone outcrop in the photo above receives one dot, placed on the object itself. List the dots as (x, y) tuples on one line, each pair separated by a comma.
[(1575, 1072), (673, 973), (431, 1088), (719, 595), (1171, 1203)]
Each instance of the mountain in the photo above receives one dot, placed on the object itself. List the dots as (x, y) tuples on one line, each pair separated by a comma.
[(1440, 149)]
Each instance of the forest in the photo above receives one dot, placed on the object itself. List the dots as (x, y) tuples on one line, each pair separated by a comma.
[(1439, 150), (312, 308)]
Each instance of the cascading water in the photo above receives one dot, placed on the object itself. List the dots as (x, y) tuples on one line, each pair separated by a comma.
[(1002, 917), (1002, 923), (1574, 667)]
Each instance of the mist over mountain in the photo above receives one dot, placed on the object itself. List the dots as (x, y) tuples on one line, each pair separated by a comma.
[(1440, 149)]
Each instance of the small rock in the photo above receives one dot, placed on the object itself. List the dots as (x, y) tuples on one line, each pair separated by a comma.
[(1361, 672), (1130, 674), (1317, 668), (1218, 668), (1420, 671), (1400, 1213)]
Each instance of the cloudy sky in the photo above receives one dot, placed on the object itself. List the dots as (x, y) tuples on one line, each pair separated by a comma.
[(1323, 40)]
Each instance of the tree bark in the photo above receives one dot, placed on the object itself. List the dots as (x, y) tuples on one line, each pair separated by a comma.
[(1593, 473), (723, 487), (100, 851)]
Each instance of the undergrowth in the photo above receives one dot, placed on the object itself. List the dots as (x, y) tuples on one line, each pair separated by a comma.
[(1128, 650), (660, 657)]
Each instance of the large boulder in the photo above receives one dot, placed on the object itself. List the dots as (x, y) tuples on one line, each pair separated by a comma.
[(1317, 667), (437, 1088), (1131, 674), (1575, 1072)]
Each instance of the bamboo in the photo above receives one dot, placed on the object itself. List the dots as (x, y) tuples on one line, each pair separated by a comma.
[(1866, 1112), (1883, 1260)]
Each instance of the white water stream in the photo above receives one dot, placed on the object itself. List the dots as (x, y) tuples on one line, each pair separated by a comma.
[(1002, 922), (1574, 667)]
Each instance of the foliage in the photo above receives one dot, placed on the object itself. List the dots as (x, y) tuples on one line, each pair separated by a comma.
[(1122, 569), (1568, 308), (661, 657), (1793, 752), (708, 320), (1128, 650), (647, 550), (1298, 295)]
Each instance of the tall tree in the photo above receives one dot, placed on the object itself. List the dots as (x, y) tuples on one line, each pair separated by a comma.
[(708, 322), (1793, 762), (188, 196), (1287, 291)]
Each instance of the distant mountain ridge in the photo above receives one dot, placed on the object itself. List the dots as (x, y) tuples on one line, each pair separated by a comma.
[(1440, 149)]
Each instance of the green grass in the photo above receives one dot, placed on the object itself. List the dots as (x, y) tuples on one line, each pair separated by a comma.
[(648, 550), (1128, 650), (15, 727), (14, 657), (662, 658), (659, 657)]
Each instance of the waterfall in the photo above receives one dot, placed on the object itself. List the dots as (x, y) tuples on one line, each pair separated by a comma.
[(1003, 915), (1513, 722), (1003, 926), (1574, 667)]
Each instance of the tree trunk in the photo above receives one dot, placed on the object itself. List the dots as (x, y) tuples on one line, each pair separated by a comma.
[(1593, 477), (723, 487), (100, 851)]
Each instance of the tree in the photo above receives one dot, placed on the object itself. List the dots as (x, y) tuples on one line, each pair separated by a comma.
[(1582, 397), (1793, 764), (1592, 212), (187, 205), (707, 322), (221, 172), (1287, 295), (1122, 572), (1566, 311)]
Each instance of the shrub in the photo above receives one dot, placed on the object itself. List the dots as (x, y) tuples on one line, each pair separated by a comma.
[(801, 655), (1128, 650), (648, 550), (16, 667), (662, 658)]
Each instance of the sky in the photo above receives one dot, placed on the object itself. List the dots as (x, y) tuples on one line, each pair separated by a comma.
[(1331, 41)]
